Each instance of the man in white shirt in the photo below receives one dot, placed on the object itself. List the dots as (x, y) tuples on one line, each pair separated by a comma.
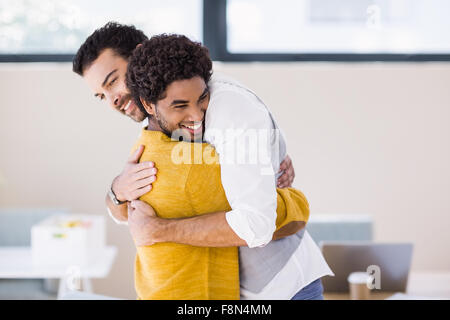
[(251, 194)]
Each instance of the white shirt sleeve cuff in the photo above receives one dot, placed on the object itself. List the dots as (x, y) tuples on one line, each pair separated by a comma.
[(239, 222)]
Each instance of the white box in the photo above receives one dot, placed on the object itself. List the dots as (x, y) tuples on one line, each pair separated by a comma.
[(68, 240)]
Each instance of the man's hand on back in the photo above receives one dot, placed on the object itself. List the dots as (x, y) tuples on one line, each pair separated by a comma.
[(144, 225), (136, 178), (286, 179)]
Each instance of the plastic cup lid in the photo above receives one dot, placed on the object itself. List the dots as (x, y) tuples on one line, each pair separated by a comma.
[(360, 277)]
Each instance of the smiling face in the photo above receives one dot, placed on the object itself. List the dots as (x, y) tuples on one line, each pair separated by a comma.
[(181, 110), (106, 78)]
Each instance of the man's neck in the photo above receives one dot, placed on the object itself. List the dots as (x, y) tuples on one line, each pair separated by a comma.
[(152, 125)]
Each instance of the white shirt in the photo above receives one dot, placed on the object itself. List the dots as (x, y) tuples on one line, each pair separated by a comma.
[(235, 115), (304, 266), (250, 188)]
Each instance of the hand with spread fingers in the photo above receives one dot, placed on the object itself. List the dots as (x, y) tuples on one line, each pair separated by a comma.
[(136, 178)]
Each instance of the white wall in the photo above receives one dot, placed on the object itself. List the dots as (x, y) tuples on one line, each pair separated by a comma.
[(365, 138)]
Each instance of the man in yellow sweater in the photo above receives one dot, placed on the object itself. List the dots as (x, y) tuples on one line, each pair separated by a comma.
[(170, 270)]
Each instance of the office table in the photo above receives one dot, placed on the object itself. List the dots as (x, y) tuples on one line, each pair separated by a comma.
[(16, 263)]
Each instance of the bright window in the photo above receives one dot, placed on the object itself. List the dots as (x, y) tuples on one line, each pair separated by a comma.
[(338, 26), (60, 26)]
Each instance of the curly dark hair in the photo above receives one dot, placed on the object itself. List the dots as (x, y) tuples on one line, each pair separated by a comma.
[(123, 39), (162, 60)]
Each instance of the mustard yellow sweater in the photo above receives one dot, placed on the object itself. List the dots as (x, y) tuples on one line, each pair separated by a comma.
[(182, 272)]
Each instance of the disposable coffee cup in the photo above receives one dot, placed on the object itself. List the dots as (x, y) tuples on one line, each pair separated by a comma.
[(359, 284)]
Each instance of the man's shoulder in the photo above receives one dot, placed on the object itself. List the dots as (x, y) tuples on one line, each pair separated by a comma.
[(218, 77), (229, 97), (221, 83)]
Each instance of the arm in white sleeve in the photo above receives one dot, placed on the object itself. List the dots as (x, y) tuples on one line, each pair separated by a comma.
[(249, 185)]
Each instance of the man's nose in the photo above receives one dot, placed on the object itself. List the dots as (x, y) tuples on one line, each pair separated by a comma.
[(114, 100), (196, 114)]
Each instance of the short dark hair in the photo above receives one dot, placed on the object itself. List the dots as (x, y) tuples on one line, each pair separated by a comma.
[(123, 39), (162, 60)]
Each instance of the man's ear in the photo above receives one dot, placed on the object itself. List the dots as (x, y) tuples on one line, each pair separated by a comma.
[(149, 107)]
